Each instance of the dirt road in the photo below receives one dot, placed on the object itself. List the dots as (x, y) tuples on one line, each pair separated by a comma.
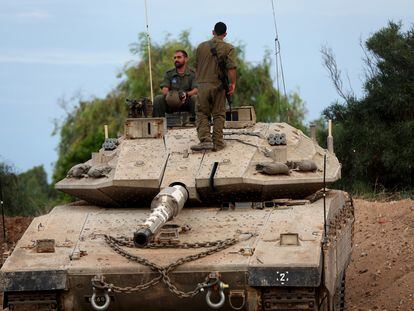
[(381, 274)]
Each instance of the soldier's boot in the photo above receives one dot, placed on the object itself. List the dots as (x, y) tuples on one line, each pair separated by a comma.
[(218, 147), (207, 145), (218, 126)]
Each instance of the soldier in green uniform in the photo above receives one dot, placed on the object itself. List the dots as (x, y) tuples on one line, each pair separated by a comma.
[(211, 95), (178, 88)]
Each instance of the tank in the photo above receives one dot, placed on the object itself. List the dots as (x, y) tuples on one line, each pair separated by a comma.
[(160, 227)]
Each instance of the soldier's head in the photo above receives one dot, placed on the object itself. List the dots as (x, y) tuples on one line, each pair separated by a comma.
[(220, 30), (180, 58)]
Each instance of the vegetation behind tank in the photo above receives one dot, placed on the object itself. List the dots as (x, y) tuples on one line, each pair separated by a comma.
[(26, 193), (374, 134)]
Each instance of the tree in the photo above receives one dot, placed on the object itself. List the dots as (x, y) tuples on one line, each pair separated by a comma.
[(27, 193), (8, 186), (375, 134), (81, 130), (36, 195)]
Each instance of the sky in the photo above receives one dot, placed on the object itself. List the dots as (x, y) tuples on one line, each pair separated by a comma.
[(58, 49)]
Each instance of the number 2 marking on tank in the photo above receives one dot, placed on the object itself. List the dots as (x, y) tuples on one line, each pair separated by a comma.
[(282, 277)]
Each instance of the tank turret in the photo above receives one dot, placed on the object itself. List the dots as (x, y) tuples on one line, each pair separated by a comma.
[(262, 161)]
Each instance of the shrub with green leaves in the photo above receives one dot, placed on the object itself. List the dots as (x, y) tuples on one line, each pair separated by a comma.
[(374, 135)]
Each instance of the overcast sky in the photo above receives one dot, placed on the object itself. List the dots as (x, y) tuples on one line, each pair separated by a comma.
[(53, 49)]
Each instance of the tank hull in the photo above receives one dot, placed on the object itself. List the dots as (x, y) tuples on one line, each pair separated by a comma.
[(257, 269)]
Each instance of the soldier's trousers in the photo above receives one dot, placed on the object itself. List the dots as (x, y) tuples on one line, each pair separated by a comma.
[(160, 106), (211, 102)]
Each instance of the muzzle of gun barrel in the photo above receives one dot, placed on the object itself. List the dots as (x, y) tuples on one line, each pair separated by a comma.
[(164, 207)]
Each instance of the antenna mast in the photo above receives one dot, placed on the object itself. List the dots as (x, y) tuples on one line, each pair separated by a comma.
[(278, 61), (149, 51), (325, 226)]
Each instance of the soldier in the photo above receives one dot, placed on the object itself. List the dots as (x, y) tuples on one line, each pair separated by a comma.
[(178, 88), (211, 96)]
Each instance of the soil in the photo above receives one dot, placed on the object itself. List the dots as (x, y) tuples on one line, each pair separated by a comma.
[(381, 273), (15, 226)]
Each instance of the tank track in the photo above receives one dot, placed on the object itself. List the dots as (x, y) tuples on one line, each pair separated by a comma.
[(340, 293), (46, 301), (289, 299)]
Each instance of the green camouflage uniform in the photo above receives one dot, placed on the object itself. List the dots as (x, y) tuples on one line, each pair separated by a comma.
[(176, 82), (211, 95)]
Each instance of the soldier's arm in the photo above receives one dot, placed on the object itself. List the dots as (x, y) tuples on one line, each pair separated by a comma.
[(193, 86), (231, 70), (232, 73), (196, 60), (165, 84), (194, 91)]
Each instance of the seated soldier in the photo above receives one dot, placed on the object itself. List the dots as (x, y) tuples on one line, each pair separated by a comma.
[(178, 88)]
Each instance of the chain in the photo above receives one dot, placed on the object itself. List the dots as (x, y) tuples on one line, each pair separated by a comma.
[(128, 242), (116, 243)]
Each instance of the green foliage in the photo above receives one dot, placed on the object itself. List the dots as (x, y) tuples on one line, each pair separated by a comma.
[(374, 135), (27, 193), (8, 187), (81, 131), (321, 131)]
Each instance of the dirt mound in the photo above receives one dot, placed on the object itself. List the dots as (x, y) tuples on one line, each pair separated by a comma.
[(381, 275)]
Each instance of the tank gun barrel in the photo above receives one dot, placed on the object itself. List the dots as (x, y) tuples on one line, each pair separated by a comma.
[(164, 207)]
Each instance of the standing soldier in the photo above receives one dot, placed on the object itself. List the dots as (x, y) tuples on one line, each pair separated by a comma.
[(211, 93), (178, 88)]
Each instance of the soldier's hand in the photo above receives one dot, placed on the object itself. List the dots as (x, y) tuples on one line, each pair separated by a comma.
[(232, 88), (183, 96)]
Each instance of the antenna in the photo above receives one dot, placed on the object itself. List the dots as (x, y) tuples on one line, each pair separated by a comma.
[(149, 51), (278, 60)]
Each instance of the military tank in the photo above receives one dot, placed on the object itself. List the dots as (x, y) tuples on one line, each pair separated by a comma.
[(160, 227)]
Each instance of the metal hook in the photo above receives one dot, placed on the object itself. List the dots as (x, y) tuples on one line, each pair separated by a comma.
[(237, 293), (216, 305), (103, 307)]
